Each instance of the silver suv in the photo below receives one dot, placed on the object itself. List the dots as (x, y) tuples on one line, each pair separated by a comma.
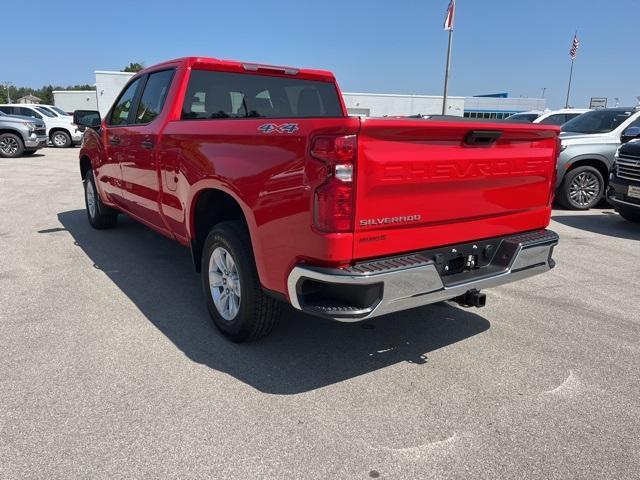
[(21, 135), (589, 144)]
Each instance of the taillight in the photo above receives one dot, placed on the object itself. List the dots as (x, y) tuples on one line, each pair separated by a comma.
[(333, 201)]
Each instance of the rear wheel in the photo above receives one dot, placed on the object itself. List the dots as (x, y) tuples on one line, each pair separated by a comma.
[(581, 189), (11, 145), (61, 139), (236, 302), (100, 216), (632, 215)]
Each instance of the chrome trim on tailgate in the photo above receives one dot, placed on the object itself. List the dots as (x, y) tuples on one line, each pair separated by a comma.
[(419, 283)]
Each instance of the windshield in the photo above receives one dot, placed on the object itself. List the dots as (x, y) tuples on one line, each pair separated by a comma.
[(47, 112), (598, 121), (58, 110), (523, 117)]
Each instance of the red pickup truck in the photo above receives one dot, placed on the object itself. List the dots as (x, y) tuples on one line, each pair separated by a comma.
[(282, 197)]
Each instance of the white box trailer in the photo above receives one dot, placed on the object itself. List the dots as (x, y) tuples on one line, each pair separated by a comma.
[(71, 100), (108, 86)]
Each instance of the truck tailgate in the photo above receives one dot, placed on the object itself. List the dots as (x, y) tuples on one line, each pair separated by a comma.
[(429, 183)]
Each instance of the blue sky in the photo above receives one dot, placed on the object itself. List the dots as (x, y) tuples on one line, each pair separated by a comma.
[(515, 46)]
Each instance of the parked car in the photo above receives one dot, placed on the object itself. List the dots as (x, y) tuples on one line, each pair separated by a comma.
[(54, 110), (20, 135), (61, 130), (589, 144), (624, 182), (559, 117), (524, 117), (282, 197)]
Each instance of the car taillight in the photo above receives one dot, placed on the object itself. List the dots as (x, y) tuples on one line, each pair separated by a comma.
[(333, 201)]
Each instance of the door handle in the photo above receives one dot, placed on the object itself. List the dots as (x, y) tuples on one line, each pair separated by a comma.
[(148, 144), (113, 140)]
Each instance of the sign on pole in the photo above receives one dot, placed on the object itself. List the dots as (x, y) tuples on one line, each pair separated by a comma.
[(598, 102)]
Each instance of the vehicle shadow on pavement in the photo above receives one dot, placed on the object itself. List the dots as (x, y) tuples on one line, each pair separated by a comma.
[(607, 223), (302, 354)]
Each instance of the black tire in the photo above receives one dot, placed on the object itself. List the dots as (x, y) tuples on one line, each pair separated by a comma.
[(11, 145), (584, 197), (60, 139), (100, 216), (632, 215), (26, 153), (257, 313)]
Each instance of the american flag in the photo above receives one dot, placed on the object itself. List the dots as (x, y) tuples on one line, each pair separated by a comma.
[(574, 47), (451, 12)]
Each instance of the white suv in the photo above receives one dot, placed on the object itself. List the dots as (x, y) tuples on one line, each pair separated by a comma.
[(61, 130), (559, 117)]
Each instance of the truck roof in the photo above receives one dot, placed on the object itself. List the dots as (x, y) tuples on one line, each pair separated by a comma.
[(210, 63)]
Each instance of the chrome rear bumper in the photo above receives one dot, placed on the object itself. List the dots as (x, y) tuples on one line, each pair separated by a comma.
[(404, 282)]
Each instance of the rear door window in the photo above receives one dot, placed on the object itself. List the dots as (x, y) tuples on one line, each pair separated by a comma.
[(213, 95), (557, 119), (46, 112), (27, 112), (153, 96)]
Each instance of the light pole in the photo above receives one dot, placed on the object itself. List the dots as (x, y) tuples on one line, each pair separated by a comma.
[(544, 89), (7, 85)]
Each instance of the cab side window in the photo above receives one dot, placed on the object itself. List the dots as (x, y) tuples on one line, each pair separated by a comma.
[(152, 100), (122, 108), (27, 112)]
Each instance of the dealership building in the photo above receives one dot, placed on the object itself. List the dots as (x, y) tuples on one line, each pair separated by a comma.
[(109, 84)]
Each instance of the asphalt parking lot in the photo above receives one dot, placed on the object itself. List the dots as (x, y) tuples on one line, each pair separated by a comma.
[(110, 367)]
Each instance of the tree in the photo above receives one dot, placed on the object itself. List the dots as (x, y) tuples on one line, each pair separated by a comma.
[(46, 95), (133, 67)]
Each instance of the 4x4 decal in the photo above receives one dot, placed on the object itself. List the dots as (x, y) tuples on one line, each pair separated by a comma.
[(283, 128)]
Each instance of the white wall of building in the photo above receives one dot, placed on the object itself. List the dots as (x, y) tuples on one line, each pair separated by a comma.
[(108, 86), (492, 104), (71, 100), (381, 104)]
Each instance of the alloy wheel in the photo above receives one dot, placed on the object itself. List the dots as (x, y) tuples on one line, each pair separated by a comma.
[(91, 199), (224, 283), (59, 140), (584, 189), (9, 146)]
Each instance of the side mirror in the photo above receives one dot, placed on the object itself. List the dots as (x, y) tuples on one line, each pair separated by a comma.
[(87, 119), (629, 134)]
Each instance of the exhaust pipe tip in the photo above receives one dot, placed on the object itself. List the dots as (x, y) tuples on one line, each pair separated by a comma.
[(471, 298)]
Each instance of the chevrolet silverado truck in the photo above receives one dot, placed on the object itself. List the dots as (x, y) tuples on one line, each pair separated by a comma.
[(282, 197)]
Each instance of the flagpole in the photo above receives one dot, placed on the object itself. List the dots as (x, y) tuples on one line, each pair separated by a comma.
[(566, 105), (573, 52), (446, 74)]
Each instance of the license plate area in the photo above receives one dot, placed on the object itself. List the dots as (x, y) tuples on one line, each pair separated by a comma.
[(634, 191), (465, 258)]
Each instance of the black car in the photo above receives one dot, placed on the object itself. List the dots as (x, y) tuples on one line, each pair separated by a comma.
[(624, 182)]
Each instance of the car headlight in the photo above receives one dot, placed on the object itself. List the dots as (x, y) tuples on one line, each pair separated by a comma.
[(30, 126)]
